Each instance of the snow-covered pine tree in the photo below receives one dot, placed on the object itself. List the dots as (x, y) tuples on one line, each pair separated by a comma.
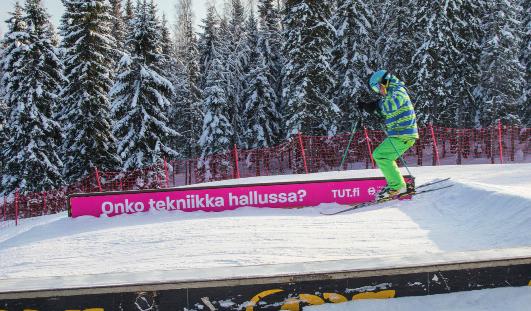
[(52, 32), (308, 78), (174, 71), (269, 41), (270, 37), (206, 43), (3, 127), (502, 74), (128, 15), (252, 37), (3, 123), (525, 110), (11, 48), (233, 47), (354, 57), (89, 49), (394, 44), (31, 151), (118, 29), (13, 45), (261, 118), (250, 44), (217, 131), (141, 96), (189, 115), (466, 70), (169, 61), (431, 63)]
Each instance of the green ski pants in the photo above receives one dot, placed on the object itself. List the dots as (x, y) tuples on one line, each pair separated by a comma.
[(385, 155)]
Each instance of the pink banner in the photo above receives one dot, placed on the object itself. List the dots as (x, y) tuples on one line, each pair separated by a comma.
[(215, 199)]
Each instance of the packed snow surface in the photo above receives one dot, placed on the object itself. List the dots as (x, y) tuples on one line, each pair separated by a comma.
[(489, 207), (507, 298)]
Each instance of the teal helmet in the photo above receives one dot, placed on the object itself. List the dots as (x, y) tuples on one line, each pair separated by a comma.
[(376, 78)]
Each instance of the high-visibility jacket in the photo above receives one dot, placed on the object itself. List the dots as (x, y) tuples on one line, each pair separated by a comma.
[(398, 111)]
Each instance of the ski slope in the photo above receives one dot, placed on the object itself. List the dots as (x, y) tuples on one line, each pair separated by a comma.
[(488, 209)]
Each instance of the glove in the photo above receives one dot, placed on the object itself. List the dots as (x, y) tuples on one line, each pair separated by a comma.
[(369, 107)]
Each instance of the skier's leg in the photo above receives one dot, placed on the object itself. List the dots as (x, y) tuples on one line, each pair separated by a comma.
[(385, 156)]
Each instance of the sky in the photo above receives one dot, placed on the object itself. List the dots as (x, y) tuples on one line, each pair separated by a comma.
[(55, 9)]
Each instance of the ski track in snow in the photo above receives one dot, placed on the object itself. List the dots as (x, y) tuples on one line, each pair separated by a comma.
[(488, 207)]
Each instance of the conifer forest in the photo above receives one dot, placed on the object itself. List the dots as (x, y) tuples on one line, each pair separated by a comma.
[(116, 86)]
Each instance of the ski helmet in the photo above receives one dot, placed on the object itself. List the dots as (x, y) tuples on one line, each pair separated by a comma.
[(376, 78)]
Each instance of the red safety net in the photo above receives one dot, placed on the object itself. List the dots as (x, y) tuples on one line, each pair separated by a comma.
[(298, 155)]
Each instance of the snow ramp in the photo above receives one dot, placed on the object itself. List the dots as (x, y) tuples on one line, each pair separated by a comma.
[(473, 236)]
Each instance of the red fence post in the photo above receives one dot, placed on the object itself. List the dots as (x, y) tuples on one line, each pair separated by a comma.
[(369, 146), (236, 170), (16, 208), (166, 173), (491, 143), (500, 140), (257, 164), (98, 178), (512, 143), (44, 203), (301, 145), (459, 146), (434, 144)]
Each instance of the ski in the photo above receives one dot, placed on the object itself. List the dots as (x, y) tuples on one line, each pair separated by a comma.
[(433, 182), (407, 194)]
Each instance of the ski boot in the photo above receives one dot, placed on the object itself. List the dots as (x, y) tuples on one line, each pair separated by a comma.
[(387, 193)]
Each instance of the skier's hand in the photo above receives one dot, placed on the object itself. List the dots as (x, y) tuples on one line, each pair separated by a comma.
[(369, 107)]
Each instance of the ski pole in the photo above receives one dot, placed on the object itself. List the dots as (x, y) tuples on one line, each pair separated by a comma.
[(396, 150), (349, 142)]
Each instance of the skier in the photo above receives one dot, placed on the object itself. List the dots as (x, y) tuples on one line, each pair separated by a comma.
[(401, 127)]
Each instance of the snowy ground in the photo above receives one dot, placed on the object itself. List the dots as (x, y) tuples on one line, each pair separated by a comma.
[(488, 208), (508, 298)]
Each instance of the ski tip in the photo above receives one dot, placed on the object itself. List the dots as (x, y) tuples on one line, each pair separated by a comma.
[(332, 213)]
